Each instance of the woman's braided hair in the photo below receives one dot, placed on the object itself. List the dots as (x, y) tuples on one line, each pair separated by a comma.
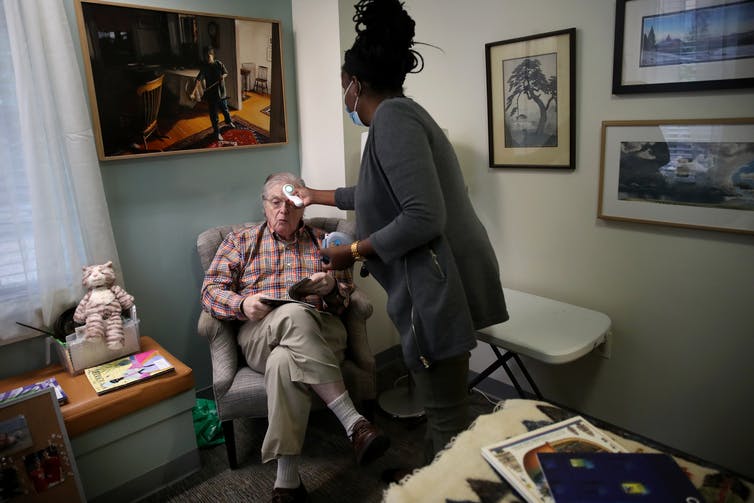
[(382, 53)]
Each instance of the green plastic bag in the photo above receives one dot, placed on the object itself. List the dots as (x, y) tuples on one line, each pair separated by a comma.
[(207, 424)]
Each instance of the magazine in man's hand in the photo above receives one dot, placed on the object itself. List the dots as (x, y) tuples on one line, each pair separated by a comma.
[(273, 302), (296, 293)]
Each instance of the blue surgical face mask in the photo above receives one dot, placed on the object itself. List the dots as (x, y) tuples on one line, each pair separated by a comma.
[(353, 113)]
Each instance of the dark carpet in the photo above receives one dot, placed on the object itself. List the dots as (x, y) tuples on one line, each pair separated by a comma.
[(328, 467), (243, 134)]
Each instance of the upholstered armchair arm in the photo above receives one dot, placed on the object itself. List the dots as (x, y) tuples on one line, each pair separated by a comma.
[(355, 317), (223, 349)]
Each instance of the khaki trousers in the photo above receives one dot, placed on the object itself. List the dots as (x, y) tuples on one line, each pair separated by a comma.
[(293, 346)]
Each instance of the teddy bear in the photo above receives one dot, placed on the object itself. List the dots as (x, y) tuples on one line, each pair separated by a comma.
[(101, 307)]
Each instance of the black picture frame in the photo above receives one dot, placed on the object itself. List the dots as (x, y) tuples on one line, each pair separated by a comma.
[(696, 60), (523, 131), (142, 64)]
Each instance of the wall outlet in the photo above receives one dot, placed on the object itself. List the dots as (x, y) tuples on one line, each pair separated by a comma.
[(606, 347)]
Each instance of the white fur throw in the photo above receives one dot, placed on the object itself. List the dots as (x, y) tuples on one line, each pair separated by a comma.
[(460, 474)]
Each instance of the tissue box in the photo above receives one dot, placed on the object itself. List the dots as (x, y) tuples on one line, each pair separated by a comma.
[(78, 354)]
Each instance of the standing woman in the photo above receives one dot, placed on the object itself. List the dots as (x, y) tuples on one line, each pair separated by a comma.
[(417, 230)]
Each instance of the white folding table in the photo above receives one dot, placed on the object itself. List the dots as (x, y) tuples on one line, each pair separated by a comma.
[(544, 329)]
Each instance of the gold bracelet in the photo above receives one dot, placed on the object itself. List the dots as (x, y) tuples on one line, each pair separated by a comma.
[(355, 252)]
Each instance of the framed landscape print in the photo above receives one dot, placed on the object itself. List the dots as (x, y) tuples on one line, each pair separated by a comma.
[(167, 82), (676, 45), (531, 100), (683, 173)]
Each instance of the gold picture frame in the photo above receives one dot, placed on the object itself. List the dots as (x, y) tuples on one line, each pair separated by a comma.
[(695, 173), (143, 64)]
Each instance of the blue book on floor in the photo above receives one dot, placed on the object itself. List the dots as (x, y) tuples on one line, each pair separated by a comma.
[(598, 477)]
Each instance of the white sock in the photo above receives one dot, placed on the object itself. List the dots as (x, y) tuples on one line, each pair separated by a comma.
[(287, 475), (346, 413)]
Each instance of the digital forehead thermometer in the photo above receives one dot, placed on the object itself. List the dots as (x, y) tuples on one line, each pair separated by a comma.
[(288, 192)]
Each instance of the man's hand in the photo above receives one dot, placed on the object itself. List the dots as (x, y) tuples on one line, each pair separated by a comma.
[(255, 309), (321, 283)]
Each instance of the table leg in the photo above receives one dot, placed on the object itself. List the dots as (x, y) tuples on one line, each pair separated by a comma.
[(502, 361)]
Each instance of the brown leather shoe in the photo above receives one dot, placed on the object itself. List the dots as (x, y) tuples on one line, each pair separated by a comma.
[(297, 495), (368, 442)]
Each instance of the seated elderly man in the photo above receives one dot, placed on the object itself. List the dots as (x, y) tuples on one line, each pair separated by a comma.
[(298, 348)]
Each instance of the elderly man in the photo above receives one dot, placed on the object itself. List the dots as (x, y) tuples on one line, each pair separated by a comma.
[(298, 348)]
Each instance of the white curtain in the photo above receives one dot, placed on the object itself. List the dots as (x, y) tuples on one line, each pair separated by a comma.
[(53, 214)]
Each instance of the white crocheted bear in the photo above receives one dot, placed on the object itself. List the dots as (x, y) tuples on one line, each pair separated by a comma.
[(101, 307)]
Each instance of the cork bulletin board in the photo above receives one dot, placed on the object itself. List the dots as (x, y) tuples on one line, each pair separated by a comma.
[(36, 460)]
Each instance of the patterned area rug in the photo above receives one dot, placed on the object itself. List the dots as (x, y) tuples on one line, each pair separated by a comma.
[(265, 110), (461, 474), (328, 468), (243, 134)]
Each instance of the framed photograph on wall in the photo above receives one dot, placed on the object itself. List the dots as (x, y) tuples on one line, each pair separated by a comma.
[(682, 173), (531, 100), (36, 458), (675, 45), (167, 82)]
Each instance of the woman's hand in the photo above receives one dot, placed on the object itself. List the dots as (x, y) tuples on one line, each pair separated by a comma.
[(336, 257), (315, 196), (306, 195)]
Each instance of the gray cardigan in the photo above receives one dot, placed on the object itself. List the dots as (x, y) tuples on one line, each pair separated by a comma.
[(434, 258)]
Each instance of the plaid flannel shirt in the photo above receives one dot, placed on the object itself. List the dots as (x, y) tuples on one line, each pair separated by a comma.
[(254, 260)]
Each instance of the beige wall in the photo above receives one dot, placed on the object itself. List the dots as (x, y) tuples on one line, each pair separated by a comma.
[(680, 300)]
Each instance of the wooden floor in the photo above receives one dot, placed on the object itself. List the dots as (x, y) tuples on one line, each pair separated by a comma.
[(197, 119)]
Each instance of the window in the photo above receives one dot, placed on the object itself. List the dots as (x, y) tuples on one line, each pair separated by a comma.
[(53, 213), (18, 274)]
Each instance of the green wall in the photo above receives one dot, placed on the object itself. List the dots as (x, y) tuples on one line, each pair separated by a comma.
[(159, 205)]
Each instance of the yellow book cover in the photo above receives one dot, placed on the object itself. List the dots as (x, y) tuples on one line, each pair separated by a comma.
[(127, 370)]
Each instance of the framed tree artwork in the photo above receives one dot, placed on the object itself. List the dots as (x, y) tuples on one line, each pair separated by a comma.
[(676, 45), (680, 173), (531, 99)]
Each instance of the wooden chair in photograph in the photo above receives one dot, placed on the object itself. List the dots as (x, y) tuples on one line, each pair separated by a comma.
[(149, 98)]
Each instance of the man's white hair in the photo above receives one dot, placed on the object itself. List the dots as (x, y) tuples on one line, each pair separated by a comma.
[(281, 178)]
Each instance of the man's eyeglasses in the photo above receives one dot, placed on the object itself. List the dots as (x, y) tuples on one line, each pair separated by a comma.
[(277, 203)]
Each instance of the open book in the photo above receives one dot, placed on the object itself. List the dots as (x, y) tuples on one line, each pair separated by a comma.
[(516, 458)]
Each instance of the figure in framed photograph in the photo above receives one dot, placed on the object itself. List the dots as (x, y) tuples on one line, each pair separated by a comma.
[(530, 101)]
